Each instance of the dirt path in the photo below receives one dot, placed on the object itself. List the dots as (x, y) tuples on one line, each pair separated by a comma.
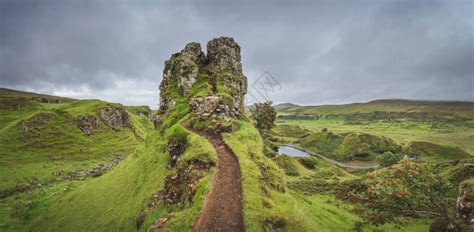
[(222, 210)]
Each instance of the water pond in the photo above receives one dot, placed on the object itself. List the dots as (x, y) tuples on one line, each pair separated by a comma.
[(293, 152)]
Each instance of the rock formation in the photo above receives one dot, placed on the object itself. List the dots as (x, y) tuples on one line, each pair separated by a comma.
[(115, 116), (213, 86), (112, 116), (465, 203), (87, 124)]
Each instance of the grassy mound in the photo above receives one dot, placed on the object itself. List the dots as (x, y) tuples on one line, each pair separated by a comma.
[(349, 146), (427, 149)]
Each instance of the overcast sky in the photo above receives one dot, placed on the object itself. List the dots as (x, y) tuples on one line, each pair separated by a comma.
[(321, 52)]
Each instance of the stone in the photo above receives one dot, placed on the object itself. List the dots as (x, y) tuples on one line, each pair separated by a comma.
[(115, 116), (33, 126), (87, 124), (157, 121), (224, 55), (465, 203), (176, 148), (186, 80), (192, 52)]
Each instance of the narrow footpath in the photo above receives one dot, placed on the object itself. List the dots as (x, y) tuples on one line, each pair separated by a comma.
[(222, 209)]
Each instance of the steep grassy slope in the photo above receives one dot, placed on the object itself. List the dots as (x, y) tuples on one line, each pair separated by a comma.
[(38, 139), (110, 202), (113, 201)]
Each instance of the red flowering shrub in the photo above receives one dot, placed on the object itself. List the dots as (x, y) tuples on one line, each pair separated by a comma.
[(400, 190)]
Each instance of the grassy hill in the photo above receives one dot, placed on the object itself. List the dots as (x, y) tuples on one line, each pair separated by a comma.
[(40, 138), (390, 105), (11, 93)]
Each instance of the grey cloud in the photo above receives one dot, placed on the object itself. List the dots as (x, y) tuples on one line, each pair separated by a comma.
[(320, 51)]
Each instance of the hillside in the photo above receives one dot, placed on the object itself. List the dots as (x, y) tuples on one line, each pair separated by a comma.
[(405, 121), (197, 164), (10, 93), (161, 178), (285, 106), (463, 109)]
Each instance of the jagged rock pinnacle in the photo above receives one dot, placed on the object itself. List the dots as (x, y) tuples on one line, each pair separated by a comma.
[(213, 84)]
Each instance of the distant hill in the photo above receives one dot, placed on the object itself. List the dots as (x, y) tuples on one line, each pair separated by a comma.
[(284, 106), (4, 92), (385, 105)]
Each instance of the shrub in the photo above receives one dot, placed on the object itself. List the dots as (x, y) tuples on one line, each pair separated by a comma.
[(286, 164), (22, 209), (263, 115), (388, 159), (308, 162), (402, 189)]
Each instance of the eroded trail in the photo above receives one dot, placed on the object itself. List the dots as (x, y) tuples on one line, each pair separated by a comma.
[(222, 210)]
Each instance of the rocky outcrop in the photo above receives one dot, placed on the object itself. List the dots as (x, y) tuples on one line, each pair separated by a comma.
[(181, 69), (32, 127), (144, 111), (87, 124), (224, 55), (112, 116), (49, 100), (213, 106), (465, 202), (222, 85), (115, 116), (176, 148), (181, 186)]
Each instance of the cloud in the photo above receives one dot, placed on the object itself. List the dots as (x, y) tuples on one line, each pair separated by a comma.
[(320, 51)]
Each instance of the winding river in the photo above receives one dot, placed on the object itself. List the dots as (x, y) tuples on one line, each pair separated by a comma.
[(294, 151)]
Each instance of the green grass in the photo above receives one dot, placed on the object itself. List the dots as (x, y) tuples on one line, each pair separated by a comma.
[(290, 210), (55, 143), (114, 200), (398, 105)]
